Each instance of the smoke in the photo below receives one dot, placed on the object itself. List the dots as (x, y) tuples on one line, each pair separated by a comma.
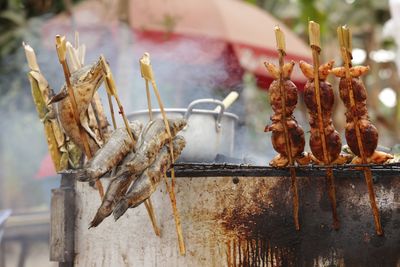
[(185, 69)]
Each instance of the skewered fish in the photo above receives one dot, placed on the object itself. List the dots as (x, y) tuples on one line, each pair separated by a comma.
[(333, 142), (117, 147), (368, 132), (150, 142), (115, 190), (147, 183), (153, 137), (85, 82), (295, 132)]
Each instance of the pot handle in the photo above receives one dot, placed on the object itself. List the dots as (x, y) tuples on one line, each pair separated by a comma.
[(207, 101)]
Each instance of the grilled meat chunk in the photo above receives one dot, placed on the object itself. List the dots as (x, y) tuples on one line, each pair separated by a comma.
[(332, 138), (283, 117), (359, 113)]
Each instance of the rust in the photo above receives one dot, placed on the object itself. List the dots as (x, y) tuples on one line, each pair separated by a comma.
[(259, 226)]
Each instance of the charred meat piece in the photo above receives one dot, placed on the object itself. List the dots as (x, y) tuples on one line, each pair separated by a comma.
[(147, 183), (359, 113), (110, 155), (283, 117)]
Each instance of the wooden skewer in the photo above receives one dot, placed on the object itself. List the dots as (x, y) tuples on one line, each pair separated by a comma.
[(150, 211), (110, 105), (112, 91), (75, 62), (177, 218), (280, 43), (314, 34), (149, 100), (147, 74), (344, 36), (61, 53)]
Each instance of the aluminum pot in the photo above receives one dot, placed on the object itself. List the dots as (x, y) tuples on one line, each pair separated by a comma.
[(208, 132)]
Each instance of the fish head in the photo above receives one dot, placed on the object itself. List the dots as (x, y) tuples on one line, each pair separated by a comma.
[(93, 74), (177, 124)]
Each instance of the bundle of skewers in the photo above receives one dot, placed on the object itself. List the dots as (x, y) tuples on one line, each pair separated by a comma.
[(134, 157), (325, 143)]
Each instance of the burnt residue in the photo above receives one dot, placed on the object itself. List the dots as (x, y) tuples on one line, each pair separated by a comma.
[(262, 232)]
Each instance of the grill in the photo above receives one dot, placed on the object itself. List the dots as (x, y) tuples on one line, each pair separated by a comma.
[(241, 215), (246, 170)]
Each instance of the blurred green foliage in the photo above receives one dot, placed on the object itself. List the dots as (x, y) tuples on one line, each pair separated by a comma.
[(14, 15)]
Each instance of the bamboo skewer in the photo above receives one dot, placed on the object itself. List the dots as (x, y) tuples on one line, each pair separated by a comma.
[(149, 100), (112, 91), (147, 74), (75, 62), (153, 219), (344, 36), (280, 43), (61, 53), (110, 105), (314, 35)]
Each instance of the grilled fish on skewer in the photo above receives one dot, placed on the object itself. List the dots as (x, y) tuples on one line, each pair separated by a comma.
[(368, 132), (295, 132), (85, 82), (150, 142), (107, 157), (153, 137), (147, 183), (115, 190)]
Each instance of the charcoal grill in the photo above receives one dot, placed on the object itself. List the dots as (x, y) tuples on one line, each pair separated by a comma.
[(238, 215)]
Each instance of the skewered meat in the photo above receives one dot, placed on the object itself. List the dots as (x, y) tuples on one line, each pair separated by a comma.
[(368, 132), (117, 147), (295, 132), (147, 183), (85, 81), (332, 138), (153, 137)]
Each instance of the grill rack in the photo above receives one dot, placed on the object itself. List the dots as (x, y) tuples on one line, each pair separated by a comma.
[(246, 170)]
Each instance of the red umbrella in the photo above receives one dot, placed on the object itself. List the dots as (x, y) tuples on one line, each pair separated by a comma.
[(225, 27), (192, 31)]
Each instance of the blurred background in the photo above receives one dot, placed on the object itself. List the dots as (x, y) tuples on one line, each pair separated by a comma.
[(199, 49)]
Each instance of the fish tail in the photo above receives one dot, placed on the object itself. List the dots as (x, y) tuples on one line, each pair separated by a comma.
[(98, 218), (121, 207), (82, 175)]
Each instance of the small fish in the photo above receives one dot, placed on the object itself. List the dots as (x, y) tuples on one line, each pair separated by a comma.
[(85, 82), (151, 140), (117, 147), (147, 183), (111, 196)]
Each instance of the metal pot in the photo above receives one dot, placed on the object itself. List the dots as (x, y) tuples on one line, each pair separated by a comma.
[(208, 133)]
